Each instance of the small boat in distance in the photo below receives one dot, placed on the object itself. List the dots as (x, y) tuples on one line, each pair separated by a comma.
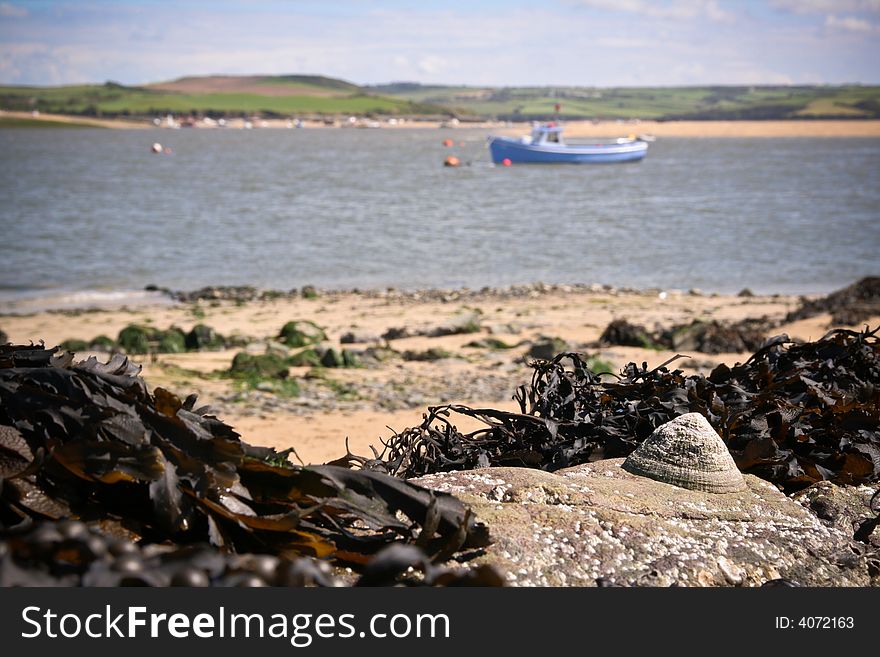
[(546, 145)]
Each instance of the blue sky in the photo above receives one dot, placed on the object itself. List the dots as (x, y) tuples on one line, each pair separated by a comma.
[(555, 42)]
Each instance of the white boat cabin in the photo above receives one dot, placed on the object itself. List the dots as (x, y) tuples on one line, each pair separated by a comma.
[(545, 133)]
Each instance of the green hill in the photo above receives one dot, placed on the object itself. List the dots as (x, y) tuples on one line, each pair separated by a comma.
[(215, 96), (286, 95), (662, 103)]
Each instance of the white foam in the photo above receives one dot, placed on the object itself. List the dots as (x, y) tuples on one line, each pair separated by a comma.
[(21, 303)]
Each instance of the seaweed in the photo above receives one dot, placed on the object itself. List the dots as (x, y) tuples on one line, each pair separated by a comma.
[(853, 304), (87, 440), (792, 414)]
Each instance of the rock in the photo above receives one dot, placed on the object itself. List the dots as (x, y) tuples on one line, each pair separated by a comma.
[(845, 508), (332, 358), (597, 521), (379, 354), (463, 323), (358, 338), (218, 293), (396, 333), (301, 333), (504, 329), (489, 343), (545, 348), (3, 337), (432, 354)]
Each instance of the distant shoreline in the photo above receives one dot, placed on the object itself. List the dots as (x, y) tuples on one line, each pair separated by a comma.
[(781, 128), (67, 301)]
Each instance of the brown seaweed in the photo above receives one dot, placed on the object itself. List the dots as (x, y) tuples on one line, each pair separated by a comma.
[(792, 414), (851, 305), (87, 440)]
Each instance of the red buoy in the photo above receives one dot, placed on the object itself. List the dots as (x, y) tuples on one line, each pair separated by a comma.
[(506, 162), (447, 142), (451, 161)]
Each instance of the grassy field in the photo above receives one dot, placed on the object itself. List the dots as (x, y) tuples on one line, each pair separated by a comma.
[(291, 95), (667, 103)]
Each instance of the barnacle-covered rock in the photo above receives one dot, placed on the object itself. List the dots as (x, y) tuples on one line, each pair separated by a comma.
[(686, 452)]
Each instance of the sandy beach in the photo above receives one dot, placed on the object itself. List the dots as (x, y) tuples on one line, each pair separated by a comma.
[(805, 128), (360, 404)]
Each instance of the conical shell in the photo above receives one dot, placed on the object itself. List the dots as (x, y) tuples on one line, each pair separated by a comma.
[(687, 452)]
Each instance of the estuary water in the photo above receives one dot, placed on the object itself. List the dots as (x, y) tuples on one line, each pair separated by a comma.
[(94, 212)]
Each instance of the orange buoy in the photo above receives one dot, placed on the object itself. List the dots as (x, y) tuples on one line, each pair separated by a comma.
[(506, 162), (447, 142), (451, 161)]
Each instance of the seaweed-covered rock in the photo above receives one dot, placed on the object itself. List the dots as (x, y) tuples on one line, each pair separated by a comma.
[(849, 306), (102, 343), (621, 332), (264, 366), (135, 339), (596, 524), (350, 358), (301, 333), (75, 345), (202, 336), (308, 357), (713, 337), (545, 348), (172, 341)]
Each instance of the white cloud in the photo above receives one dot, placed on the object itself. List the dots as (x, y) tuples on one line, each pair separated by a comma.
[(850, 24), (432, 64), (826, 6), (8, 10), (678, 9)]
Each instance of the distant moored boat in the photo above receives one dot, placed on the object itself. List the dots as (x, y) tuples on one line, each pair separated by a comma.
[(546, 145)]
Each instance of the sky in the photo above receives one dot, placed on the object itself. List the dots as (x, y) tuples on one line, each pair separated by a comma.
[(477, 42)]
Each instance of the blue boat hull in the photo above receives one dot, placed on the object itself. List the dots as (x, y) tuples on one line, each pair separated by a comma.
[(517, 151)]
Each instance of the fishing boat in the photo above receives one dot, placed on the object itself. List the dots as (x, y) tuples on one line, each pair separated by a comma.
[(546, 145)]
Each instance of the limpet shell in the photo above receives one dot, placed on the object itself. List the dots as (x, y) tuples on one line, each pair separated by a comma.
[(687, 452)]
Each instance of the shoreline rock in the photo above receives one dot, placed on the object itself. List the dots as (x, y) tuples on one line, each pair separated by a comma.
[(596, 524)]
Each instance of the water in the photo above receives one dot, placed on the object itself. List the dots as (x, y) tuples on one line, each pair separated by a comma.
[(94, 210)]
